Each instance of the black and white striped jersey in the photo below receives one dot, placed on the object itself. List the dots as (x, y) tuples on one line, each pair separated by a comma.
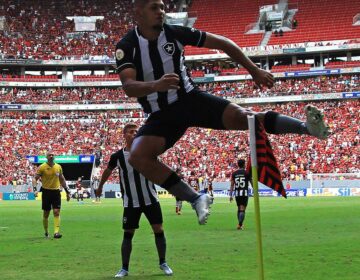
[(241, 182), (136, 190), (153, 59)]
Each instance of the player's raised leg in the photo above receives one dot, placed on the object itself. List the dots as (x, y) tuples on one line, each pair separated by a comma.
[(235, 118)]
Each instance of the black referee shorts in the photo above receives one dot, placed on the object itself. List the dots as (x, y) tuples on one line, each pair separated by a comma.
[(51, 199), (195, 109), (131, 216), (242, 200)]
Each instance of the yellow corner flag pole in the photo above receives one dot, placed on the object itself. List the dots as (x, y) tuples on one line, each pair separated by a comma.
[(251, 123)]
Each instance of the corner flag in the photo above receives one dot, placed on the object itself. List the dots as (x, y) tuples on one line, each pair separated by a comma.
[(268, 171)]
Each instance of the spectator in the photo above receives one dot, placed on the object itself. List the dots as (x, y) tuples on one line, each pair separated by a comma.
[(295, 23)]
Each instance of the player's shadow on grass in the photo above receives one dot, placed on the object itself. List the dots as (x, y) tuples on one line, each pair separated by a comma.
[(136, 277), (37, 239)]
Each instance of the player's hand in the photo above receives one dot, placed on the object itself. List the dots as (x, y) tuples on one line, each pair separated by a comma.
[(68, 197), (36, 193), (231, 198), (167, 81), (263, 78)]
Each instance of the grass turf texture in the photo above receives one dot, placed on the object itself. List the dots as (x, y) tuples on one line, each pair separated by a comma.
[(303, 238)]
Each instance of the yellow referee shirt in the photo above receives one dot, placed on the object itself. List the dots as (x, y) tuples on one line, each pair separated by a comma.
[(50, 176)]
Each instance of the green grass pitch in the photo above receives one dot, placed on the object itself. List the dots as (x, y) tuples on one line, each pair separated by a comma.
[(303, 238)]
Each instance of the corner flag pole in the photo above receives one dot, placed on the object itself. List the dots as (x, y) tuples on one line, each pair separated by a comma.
[(251, 124)]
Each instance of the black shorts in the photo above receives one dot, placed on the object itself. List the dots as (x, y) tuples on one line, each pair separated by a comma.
[(132, 215), (242, 200), (195, 109), (51, 199)]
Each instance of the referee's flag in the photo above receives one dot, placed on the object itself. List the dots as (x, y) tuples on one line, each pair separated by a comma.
[(268, 171)]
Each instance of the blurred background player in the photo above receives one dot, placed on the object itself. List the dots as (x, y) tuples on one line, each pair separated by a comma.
[(194, 181), (240, 183), (210, 187), (204, 184), (178, 205), (139, 196), (52, 177), (80, 190), (94, 185), (179, 202)]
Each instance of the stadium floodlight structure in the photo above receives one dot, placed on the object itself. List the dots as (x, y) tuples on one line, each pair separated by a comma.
[(85, 23), (254, 176)]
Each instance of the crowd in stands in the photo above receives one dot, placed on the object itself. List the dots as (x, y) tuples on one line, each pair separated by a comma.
[(308, 44), (231, 71), (39, 29), (237, 89), (284, 87), (204, 151), (65, 95)]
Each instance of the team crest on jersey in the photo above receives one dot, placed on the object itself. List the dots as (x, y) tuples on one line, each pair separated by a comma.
[(119, 54), (169, 48), (124, 220)]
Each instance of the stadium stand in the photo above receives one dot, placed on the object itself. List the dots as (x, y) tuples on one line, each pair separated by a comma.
[(204, 151), (40, 31), (237, 89), (95, 78), (333, 20)]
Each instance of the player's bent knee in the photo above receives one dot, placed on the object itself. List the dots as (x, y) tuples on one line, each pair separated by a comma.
[(157, 228), (159, 234), (235, 117), (128, 235)]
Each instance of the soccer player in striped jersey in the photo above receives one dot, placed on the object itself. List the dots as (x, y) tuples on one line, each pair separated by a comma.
[(150, 61), (240, 186), (139, 196)]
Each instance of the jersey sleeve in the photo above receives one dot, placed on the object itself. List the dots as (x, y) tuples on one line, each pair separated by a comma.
[(112, 163), (39, 171), (189, 36), (60, 170), (124, 56)]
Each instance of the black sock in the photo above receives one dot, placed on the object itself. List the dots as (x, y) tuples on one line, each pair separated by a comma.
[(179, 188), (276, 123), (241, 217), (160, 242), (126, 248)]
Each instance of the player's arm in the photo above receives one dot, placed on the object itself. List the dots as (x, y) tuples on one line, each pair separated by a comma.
[(34, 182), (126, 68), (64, 186), (261, 77), (232, 183), (134, 88), (104, 177)]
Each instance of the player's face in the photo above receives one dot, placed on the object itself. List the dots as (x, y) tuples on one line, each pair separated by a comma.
[(153, 14), (50, 157), (130, 135)]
